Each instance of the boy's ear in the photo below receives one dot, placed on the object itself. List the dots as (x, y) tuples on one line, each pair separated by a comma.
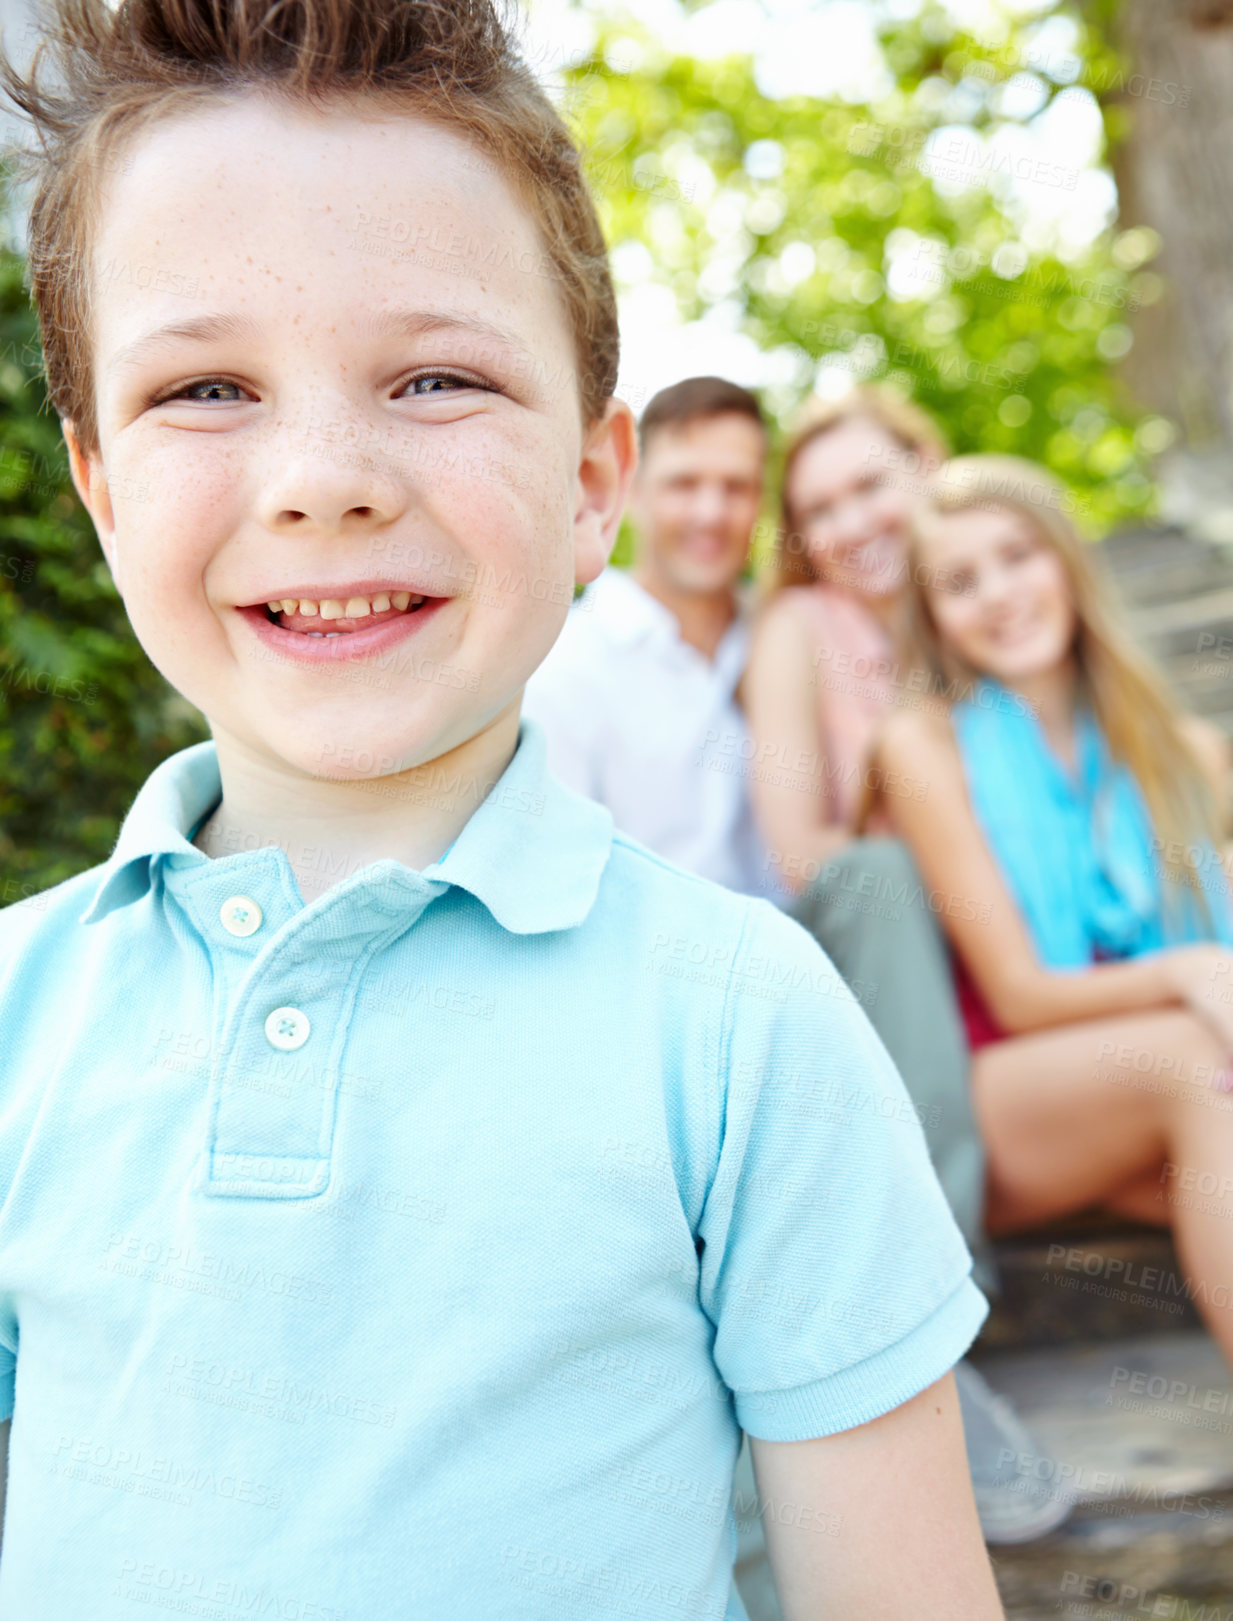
[(609, 457), (90, 482)]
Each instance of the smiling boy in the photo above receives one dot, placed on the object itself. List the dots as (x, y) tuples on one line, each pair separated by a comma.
[(409, 1186)]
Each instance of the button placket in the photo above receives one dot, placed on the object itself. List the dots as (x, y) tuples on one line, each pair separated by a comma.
[(275, 1077)]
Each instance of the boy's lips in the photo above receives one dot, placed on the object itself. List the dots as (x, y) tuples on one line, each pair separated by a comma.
[(329, 637)]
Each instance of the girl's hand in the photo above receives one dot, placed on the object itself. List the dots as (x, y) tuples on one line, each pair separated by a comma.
[(1201, 977)]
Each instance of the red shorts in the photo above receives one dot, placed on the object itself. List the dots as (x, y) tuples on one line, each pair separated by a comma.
[(981, 1026)]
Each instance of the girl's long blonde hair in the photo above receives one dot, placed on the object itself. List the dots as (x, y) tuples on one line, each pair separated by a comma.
[(1140, 718)]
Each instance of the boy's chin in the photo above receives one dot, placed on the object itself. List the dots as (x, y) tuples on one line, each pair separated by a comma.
[(350, 753)]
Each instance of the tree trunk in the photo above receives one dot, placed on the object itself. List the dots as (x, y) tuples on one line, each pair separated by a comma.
[(1174, 172)]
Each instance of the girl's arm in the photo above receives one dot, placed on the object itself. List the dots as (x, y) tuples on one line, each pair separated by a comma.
[(787, 772), (1216, 757), (980, 915)]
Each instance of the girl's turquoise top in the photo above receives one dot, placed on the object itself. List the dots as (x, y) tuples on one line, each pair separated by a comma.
[(1079, 852)]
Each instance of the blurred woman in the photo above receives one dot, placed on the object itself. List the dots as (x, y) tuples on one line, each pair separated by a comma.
[(820, 675), (1072, 819)]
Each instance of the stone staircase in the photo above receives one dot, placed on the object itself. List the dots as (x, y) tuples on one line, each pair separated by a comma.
[(1093, 1336)]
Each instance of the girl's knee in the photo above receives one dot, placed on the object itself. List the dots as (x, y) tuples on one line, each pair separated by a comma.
[(1170, 1053)]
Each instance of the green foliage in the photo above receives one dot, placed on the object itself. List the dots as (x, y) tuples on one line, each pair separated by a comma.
[(797, 212), (84, 717)]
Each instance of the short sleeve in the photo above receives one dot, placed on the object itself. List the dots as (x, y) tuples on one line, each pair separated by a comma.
[(837, 1280)]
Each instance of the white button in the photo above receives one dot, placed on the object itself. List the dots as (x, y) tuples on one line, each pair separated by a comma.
[(287, 1028), (240, 915)]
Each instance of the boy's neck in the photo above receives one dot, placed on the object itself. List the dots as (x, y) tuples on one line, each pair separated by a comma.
[(329, 829)]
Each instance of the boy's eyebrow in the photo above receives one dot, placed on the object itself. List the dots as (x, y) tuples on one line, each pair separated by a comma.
[(388, 323)]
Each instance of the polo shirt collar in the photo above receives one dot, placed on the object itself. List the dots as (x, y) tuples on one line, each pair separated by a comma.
[(532, 852)]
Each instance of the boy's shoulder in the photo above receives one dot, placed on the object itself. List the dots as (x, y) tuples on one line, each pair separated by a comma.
[(45, 915), (693, 921)]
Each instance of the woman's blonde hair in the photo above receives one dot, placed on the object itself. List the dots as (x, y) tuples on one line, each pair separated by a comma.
[(877, 403), (1138, 715)]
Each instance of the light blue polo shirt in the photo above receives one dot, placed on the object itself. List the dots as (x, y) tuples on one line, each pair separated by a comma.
[(417, 1253)]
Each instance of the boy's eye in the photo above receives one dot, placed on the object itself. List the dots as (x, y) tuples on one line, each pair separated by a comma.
[(430, 380), (188, 391)]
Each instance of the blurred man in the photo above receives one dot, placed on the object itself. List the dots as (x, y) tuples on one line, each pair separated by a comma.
[(638, 696)]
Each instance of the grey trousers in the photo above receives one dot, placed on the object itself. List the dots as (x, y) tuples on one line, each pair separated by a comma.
[(870, 912)]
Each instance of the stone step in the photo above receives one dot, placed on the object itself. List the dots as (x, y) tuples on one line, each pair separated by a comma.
[(1183, 580), (1089, 1279), (1138, 1434)]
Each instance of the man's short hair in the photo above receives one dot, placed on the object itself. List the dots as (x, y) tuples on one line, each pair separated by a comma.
[(693, 400)]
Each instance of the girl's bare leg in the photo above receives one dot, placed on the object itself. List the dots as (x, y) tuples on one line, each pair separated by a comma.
[(1145, 1199), (1110, 1112)]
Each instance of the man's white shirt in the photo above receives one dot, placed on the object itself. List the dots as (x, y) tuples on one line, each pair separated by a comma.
[(645, 723)]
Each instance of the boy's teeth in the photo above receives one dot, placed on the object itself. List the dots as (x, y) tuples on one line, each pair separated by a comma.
[(353, 608)]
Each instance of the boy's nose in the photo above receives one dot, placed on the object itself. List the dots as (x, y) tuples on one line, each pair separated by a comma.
[(325, 490)]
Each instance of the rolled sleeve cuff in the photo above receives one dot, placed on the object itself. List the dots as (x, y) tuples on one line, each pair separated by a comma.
[(867, 1389)]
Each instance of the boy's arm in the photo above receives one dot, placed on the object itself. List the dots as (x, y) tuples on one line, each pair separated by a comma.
[(878, 1521)]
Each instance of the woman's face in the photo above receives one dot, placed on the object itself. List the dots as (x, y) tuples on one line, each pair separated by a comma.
[(851, 492), (998, 592)]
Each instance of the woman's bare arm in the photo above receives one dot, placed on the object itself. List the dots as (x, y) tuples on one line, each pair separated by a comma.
[(1216, 757), (787, 773), (977, 910)]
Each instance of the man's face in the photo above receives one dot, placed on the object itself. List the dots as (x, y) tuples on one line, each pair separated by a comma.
[(695, 500), (372, 399)]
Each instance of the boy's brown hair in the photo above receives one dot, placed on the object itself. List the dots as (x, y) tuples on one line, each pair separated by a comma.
[(117, 71)]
